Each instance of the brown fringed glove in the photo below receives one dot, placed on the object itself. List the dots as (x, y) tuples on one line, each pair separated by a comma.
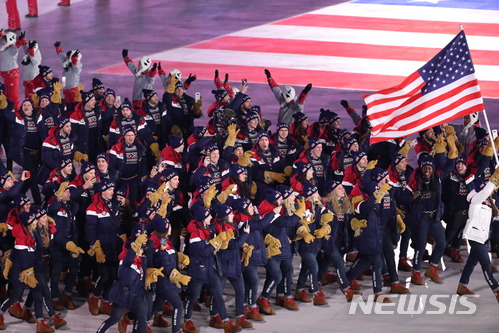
[(253, 190), (245, 159), (78, 93), (28, 277), (246, 254), (451, 142), (270, 177), (222, 197), (400, 224), (60, 192), (164, 206), (379, 194), (371, 164), (3, 229), (170, 87), (357, 226), (231, 138), (175, 130), (3, 101), (322, 232), (198, 107), (179, 278), (183, 260), (407, 146), (273, 246), (56, 97), (303, 232), (439, 146), (302, 207), (218, 240), (210, 194), (96, 250), (152, 276), (326, 218), (155, 150), (74, 249), (139, 241)]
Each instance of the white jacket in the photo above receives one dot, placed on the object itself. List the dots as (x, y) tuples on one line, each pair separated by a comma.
[(479, 215)]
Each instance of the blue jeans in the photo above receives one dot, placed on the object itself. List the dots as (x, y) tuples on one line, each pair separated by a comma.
[(453, 231), (336, 258), (40, 295), (389, 256), (238, 285), (139, 309), (429, 225), (273, 277), (363, 262), (284, 287), (170, 295), (215, 289), (108, 272), (309, 268), (479, 254), (251, 281), (58, 267), (405, 238)]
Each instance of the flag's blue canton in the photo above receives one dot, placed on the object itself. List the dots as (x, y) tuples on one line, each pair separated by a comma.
[(449, 65)]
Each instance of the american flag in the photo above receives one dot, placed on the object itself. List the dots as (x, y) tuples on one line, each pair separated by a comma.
[(443, 89), (358, 45)]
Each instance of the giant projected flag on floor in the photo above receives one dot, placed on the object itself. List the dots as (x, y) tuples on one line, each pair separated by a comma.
[(361, 45)]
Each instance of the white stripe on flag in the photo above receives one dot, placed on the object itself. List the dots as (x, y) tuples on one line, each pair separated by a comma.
[(364, 36), (307, 62), (462, 15)]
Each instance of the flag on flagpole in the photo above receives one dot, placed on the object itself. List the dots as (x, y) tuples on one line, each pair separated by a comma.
[(443, 89)]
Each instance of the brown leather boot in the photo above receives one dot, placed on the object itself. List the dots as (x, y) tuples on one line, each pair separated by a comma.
[(105, 308), (404, 265), (290, 304), (93, 305), (431, 272), (463, 290), (229, 327), (2, 323), (254, 314), (16, 311), (456, 256), (58, 321), (216, 322), (319, 299), (265, 306), (28, 316), (58, 305), (43, 327), (68, 301), (350, 294), (354, 285), (167, 309), (241, 321), (159, 321), (417, 279), (302, 296), (123, 322), (189, 327), (279, 300), (397, 288), (381, 298)]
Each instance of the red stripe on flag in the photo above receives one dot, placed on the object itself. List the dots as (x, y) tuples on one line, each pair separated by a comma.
[(335, 49), (374, 23), (325, 79)]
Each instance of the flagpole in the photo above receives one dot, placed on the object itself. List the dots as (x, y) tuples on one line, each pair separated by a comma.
[(490, 136)]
